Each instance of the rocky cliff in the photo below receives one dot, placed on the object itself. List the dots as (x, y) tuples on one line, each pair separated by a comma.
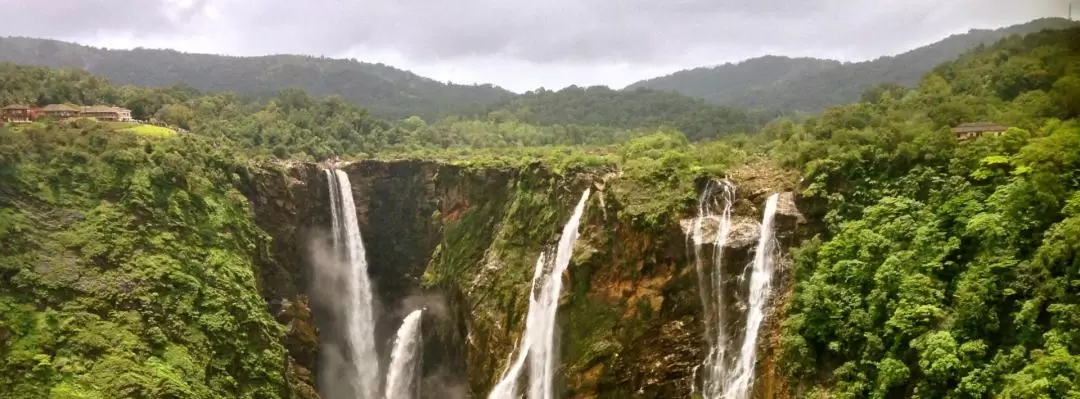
[(463, 241)]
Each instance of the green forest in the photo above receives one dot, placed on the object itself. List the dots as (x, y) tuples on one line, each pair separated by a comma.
[(791, 85), (954, 265), (943, 269)]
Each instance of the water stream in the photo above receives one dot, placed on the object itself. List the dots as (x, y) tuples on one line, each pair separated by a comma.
[(711, 285), (405, 359), (537, 343), (729, 368), (742, 379), (355, 306)]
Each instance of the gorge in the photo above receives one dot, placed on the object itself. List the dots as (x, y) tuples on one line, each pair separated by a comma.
[(453, 239), (296, 247)]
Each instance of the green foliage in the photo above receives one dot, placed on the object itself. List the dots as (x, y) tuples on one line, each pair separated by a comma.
[(127, 270), (948, 269), (625, 109), (294, 124), (728, 83)]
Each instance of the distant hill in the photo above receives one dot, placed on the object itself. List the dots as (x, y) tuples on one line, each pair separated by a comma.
[(386, 91), (807, 84), (602, 106), (726, 83), (770, 83)]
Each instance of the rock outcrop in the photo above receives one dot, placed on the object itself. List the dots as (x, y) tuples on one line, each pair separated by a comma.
[(463, 241)]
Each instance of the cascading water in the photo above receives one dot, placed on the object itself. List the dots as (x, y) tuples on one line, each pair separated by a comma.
[(356, 302), (506, 388), (712, 289), (404, 360), (537, 344), (730, 375), (742, 378)]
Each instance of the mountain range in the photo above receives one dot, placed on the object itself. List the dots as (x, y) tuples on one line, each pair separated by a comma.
[(386, 91), (769, 83), (811, 84)]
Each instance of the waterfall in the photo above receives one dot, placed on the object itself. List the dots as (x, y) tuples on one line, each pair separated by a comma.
[(506, 388), (404, 359), (716, 364), (730, 375), (356, 300), (741, 383), (537, 343)]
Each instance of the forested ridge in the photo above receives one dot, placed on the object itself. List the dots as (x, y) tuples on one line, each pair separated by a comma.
[(771, 84), (386, 91), (943, 268), (810, 85), (602, 106), (293, 122)]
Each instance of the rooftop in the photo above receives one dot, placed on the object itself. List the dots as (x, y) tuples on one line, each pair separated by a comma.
[(102, 109), (59, 108), (979, 127), (16, 107), (98, 108)]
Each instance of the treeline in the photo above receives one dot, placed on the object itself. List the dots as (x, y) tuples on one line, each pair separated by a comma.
[(292, 123), (948, 269)]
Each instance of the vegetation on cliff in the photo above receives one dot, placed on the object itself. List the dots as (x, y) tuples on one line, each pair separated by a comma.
[(127, 269), (948, 269)]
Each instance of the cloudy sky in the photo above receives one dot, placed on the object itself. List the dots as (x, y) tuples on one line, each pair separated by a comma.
[(522, 44)]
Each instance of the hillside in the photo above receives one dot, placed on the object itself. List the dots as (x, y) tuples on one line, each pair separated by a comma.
[(806, 84), (728, 82), (602, 106), (386, 91)]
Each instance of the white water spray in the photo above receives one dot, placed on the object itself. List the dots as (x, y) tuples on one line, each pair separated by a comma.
[(404, 360), (717, 363), (742, 379), (357, 301), (537, 343)]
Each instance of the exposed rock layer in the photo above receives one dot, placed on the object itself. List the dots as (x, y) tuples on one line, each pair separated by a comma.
[(462, 241)]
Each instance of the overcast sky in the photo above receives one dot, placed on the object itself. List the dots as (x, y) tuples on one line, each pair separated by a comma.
[(522, 44)]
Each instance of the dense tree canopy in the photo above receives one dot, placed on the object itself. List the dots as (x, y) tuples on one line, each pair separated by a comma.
[(948, 269), (127, 269), (601, 106)]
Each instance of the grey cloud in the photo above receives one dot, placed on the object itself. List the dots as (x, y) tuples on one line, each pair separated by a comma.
[(80, 17), (552, 31)]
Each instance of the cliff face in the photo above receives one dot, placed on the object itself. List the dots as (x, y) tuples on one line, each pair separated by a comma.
[(463, 242)]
